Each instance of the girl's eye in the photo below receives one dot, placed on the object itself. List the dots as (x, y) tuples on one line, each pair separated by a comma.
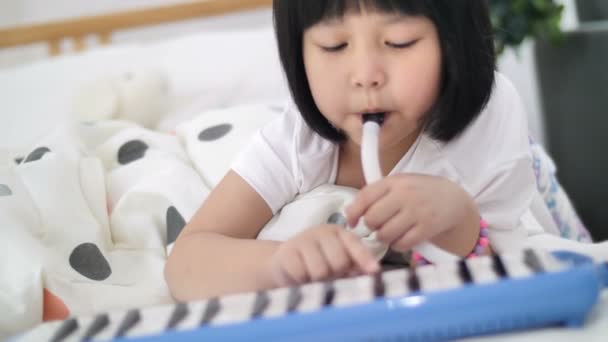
[(401, 45), (334, 48)]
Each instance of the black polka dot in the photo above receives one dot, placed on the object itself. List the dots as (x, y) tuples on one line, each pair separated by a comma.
[(5, 190), (337, 218), (131, 151), (175, 224), (37, 154), (87, 260), (214, 132)]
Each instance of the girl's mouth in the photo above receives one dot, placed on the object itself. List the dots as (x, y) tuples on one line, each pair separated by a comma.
[(377, 117)]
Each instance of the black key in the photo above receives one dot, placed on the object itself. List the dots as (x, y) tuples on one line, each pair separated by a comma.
[(211, 309), (293, 299), (261, 303), (99, 323), (66, 329), (464, 272), (378, 285), (179, 313), (499, 266), (329, 292), (131, 319), (532, 260), (412, 280)]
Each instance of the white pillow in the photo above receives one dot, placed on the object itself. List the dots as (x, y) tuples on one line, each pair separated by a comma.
[(215, 137), (226, 68), (219, 70)]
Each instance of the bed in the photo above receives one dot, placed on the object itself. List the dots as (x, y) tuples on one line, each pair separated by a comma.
[(87, 221), (204, 78)]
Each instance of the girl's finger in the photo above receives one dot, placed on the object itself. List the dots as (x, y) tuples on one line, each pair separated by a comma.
[(395, 227), (316, 265), (383, 210), (364, 199), (361, 256), (354, 273), (293, 269), (336, 255), (408, 239)]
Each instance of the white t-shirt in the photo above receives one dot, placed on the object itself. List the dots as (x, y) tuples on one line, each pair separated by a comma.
[(491, 160)]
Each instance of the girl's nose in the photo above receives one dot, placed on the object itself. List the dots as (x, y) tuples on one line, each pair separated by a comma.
[(368, 74)]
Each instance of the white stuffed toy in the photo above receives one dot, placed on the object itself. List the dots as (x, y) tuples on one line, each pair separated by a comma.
[(140, 96)]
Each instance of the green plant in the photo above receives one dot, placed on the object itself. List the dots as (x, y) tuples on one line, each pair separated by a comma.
[(515, 20)]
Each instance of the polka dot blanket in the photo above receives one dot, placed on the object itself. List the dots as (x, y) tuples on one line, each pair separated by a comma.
[(90, 212)]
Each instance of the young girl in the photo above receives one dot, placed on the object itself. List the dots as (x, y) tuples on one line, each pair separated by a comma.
[(454, 144)]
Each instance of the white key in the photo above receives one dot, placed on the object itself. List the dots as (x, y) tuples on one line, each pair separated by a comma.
[(278, 302), (395, 283), (44, 332), (427, 276), (313, 295), (109, 332), (193, 320), (153, 321), (515, 265), (482, 270), (235, 308), (83, 325), (353, 291), (448, 275), (550, 262)]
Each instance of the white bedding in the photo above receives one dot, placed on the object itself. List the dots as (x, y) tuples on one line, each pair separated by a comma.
[(76, 200), (91, 211)]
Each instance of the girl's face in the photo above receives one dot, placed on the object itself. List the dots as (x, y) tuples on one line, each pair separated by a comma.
[(374, 62)]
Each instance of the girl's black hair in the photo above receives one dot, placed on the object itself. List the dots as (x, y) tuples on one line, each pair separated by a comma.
[(467, 45)]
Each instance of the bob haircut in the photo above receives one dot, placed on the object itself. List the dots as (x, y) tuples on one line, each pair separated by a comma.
[(467, 47)]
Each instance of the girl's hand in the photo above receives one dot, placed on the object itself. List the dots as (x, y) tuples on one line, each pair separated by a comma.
[(320, 253), (407, 209)]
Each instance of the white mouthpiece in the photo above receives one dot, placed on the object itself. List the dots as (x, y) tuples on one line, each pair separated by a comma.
[(372, 173)]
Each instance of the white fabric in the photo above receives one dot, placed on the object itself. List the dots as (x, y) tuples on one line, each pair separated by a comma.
[(491, 160), (244, 121), (79, 193), (316, 207)]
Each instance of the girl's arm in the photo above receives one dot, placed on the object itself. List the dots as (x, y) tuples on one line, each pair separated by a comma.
[(462, 237), (217, 253)]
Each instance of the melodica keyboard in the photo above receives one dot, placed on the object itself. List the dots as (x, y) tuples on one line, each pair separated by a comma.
[(478, 296)]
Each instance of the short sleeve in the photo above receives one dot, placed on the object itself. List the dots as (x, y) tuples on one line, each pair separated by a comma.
[(268, 165)]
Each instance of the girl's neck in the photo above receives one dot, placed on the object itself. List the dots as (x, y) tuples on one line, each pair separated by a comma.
[(350, 168)]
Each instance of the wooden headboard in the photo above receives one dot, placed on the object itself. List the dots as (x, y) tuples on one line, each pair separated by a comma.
[(102, 26)]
